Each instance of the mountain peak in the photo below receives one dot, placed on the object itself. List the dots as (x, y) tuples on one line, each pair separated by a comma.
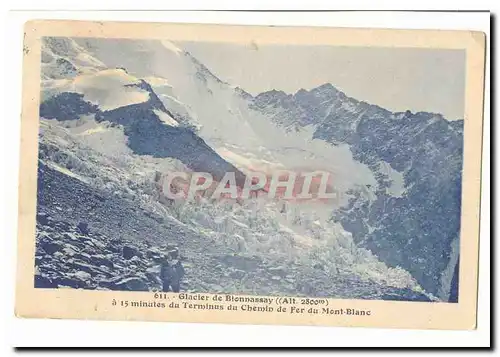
[(325, 88), (271, 95)]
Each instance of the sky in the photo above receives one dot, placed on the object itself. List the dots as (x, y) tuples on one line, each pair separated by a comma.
[(398, 79)]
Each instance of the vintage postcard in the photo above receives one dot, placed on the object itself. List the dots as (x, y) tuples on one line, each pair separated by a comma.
[(250, 174)]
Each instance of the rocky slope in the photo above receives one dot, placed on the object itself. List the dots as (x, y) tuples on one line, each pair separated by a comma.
[(108, 243)]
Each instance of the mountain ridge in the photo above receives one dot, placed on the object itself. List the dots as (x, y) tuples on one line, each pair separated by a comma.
[(259, 97)]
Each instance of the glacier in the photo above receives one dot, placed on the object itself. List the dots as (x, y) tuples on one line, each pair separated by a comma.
[(116, 114)]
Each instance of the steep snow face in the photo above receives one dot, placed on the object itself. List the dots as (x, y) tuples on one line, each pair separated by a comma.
[(178, 78), (222, 116)]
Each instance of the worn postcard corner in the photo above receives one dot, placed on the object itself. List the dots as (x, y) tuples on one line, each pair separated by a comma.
[(260, 175)]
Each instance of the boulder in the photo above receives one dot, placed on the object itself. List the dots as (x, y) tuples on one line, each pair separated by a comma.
[(70, 236), (110, 283), (84, 267), (153, 274), (75, 283), (63, 226), (70, 250), (43, 218), (100, 259), (50, 247), (154, 253), (97, 243), (82, 275), (113, 246), (83, 257), (135, 259), (38, 259), (279, 271), (83, 227), (133, 283), (129, 252)]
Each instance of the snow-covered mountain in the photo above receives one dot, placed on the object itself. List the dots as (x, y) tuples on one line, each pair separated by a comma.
[(114, 113), (411, 216), (221, 112)]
